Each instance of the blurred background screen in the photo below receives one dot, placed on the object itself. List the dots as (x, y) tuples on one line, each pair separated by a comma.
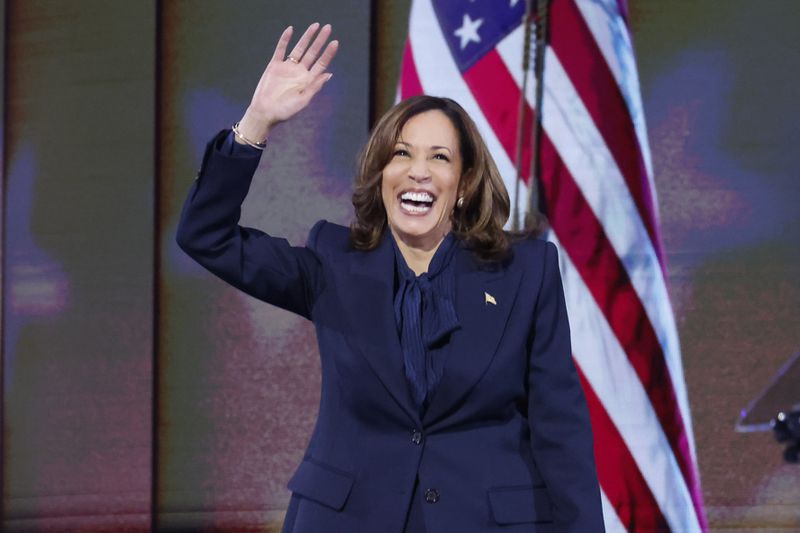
[(140, 391)]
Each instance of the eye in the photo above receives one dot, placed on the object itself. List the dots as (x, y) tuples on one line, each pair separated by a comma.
[(441, 157), (400, 152)]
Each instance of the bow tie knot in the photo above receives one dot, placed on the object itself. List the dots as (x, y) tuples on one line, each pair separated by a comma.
[(425, 318), (437, 314)]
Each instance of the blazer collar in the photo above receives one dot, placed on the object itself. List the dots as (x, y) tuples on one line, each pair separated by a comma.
[(369, 307), (484, 298)]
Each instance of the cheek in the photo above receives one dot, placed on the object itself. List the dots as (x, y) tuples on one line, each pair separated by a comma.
[(386, 178), (389, 181), (452, 188), (386, 191)]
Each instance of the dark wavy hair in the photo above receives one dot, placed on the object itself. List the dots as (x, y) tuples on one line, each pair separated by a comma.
[(478, 222)]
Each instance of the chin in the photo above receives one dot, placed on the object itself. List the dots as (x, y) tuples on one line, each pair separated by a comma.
[(419, 229)]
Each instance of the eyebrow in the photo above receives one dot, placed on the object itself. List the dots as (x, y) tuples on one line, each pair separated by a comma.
[(436, 147)]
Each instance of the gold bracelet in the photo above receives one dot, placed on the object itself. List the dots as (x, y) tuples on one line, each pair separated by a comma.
[(260, 146)]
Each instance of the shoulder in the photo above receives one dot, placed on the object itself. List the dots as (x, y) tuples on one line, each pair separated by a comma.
[(327, 238), (538, 260), (533, 250), (526, 254)]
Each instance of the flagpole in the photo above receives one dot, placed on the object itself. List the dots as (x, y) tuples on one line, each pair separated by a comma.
[(526, 60), (534, 218)]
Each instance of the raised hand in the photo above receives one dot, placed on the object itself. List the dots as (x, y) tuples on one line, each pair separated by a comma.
[(289, 82)]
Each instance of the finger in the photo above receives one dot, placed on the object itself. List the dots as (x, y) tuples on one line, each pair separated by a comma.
[(314, 87), (283, 42), (325, 59), (312, 52), (300, 48)]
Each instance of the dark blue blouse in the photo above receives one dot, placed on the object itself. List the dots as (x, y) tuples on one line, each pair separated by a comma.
[(425, 315)]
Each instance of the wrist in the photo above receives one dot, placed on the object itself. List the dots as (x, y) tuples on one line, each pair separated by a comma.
[(255, 126), (239, 138)]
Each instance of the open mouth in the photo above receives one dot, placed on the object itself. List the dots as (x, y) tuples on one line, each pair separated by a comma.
[(417, 202)]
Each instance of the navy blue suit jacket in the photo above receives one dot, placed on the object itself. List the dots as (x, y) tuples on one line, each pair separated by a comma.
[(505, 444)]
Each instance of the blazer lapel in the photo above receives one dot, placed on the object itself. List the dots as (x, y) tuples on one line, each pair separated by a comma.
[(369, 307), (484, 299)]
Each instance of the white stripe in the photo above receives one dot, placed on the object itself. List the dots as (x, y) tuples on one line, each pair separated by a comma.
[(610, 518), (510, 50), (611, 35), (586, 155), (440, 76), (606, 366)]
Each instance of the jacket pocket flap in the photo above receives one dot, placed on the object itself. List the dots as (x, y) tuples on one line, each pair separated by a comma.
[(321, 483), (520, 504)]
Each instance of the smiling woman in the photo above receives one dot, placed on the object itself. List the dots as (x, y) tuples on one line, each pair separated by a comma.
[(420, 182), (429, 145), (449, 397)]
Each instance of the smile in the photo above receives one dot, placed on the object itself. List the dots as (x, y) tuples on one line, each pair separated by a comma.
[(416, 202)]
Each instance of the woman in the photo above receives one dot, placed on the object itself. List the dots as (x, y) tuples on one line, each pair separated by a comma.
[(449, 400)]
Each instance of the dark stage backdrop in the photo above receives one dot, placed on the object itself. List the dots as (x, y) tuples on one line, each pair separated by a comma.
[(719, 82), (78, 308), (139, 390)]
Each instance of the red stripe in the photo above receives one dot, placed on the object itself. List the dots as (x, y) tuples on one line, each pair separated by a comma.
[(620, 477), (498, 96), (574, 44), (409, 79), (584, 239)]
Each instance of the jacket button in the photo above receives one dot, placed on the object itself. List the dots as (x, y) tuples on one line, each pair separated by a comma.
[(416, 437), (431, 495)]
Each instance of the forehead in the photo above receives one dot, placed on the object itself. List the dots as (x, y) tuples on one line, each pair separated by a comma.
[(430, 128)]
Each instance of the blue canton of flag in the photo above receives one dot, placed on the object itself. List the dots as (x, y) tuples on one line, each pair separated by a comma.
[(474, 27)]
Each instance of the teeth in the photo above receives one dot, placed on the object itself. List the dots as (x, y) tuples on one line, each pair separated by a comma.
[(416, 208), (417, 196)]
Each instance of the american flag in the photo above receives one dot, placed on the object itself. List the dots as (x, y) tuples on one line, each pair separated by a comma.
[(596, 185)]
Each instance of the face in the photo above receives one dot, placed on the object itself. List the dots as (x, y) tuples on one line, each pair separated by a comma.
[(420, 183)]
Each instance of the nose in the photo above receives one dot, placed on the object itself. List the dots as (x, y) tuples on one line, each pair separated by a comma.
[(419, 170)]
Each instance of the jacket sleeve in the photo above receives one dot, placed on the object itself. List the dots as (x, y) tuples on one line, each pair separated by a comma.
[(263, 266), (561, 434)]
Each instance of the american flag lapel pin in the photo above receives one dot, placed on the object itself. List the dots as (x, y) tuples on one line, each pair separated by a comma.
[(489, 299)]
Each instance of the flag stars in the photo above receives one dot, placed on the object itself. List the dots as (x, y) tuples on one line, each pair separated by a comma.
[(468, 32)]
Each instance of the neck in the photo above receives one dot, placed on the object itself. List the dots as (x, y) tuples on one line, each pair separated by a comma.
[(418, 255)]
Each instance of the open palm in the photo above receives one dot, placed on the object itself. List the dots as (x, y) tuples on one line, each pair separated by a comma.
[(290, 82)]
